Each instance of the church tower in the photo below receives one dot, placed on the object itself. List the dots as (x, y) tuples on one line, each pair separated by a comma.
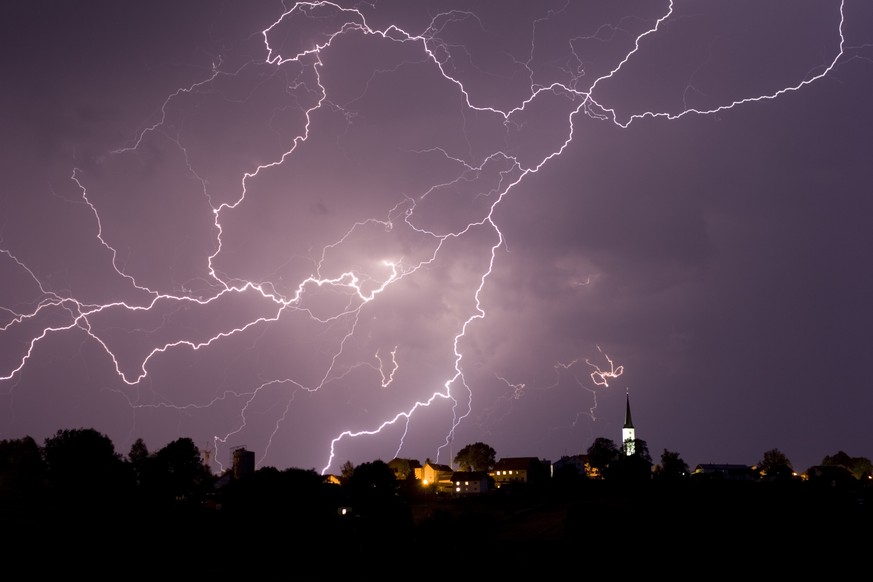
[(627, 432)]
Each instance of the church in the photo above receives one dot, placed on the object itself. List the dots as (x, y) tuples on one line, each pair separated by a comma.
[(628, 436)]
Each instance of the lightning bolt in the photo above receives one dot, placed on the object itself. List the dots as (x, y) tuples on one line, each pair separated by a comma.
[(329, 294), (601, 377), (389, 377)]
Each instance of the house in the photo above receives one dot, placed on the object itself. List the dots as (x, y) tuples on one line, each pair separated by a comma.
[(831, 476), (579, 462), (434, 473), (466, 482), (519, 470)]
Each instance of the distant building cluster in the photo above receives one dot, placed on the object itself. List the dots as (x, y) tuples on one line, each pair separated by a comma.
[(514, 471), (444, 479)]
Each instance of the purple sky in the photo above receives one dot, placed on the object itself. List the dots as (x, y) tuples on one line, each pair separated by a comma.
[(348, 232)]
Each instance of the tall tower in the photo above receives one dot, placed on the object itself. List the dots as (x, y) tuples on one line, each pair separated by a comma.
[(243, 462), (627, 431)]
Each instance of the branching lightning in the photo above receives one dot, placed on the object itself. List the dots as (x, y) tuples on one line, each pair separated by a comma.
[(342, 286)]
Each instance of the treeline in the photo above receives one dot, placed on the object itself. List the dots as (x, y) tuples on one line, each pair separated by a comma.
[(76, 491), (633, 459), (80, 470), (76, 494)]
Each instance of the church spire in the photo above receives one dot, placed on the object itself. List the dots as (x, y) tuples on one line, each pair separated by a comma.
[(628, 435), (627, 415)]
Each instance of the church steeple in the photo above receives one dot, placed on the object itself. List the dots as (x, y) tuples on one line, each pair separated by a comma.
[(628, 435), (628, 423)]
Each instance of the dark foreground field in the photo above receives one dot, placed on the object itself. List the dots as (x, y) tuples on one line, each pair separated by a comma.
[(592, 527), (717, 521)]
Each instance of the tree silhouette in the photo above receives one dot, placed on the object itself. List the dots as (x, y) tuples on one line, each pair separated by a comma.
[(85, 472), (371, 483), (139, 459), (179, 473), (839, 459), (672, 466), (775, 466), (860, 467), (476, 457), (269, 494), (22, 469), (634, 467), (347, 470), (601, 453), (382, 516), (403, 468), (567, 477)]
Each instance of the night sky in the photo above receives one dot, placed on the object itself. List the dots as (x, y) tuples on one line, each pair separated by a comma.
[(354, 231)]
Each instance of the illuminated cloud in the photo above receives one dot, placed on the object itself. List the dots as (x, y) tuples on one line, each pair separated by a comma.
[(346, 232)]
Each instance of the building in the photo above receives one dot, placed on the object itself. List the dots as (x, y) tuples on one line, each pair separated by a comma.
[(243, 462), (434, 473), (628, 434), (519, 470), (466, 482), (580, 463)]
